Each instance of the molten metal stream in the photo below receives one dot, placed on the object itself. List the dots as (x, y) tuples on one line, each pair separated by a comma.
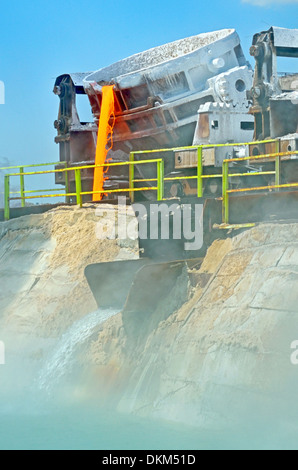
[(104, 138)]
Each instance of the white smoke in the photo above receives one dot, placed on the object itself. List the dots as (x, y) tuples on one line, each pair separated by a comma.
[(266, 3)]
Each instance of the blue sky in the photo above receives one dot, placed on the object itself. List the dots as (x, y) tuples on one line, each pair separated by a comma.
[(40, 40)]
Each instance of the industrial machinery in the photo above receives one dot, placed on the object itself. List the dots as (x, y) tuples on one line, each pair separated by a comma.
[(157, 97), (275, 98), (196, 91)]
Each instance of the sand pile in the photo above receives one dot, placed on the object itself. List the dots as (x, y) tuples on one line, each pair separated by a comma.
[(225, 355), (43, 258)]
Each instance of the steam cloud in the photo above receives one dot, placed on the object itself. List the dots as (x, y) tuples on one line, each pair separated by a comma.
[(265, 3)]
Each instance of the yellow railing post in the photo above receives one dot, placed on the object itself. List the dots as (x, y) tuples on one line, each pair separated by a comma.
[(78, 186), (6, 197), (131, 176), (67, 198), (160, 180), (277, 165), (225, 194), (22, 187), (200, 171)]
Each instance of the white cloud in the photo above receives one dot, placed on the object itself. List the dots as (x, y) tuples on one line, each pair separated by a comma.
[(265, 3)]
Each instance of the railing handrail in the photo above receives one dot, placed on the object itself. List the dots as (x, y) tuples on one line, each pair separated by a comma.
[(78, 183), (192, 147), (160, 179), (102, 165), (277, 156), (34, 165), (261, 157)]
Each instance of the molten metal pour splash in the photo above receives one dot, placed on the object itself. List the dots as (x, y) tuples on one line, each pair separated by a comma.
[(104, 139)]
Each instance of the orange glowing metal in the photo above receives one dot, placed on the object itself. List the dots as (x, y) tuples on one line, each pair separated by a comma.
[(104, 138)]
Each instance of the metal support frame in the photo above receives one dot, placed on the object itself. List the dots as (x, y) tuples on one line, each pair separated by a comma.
[(225, 193), (78, 180), (22, 187), (6, 197), (200, 172), (225, 181), (131, 177), (277, 166), (67, 198), (160, 180)]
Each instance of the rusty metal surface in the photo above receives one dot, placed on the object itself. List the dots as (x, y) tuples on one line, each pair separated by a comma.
[(157, 96)]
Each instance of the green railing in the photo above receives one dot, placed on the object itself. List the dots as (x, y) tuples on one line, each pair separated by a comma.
[(134, 183), (226, 191), (160, 175), (21, 173), (199, 148), (23, 194)]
